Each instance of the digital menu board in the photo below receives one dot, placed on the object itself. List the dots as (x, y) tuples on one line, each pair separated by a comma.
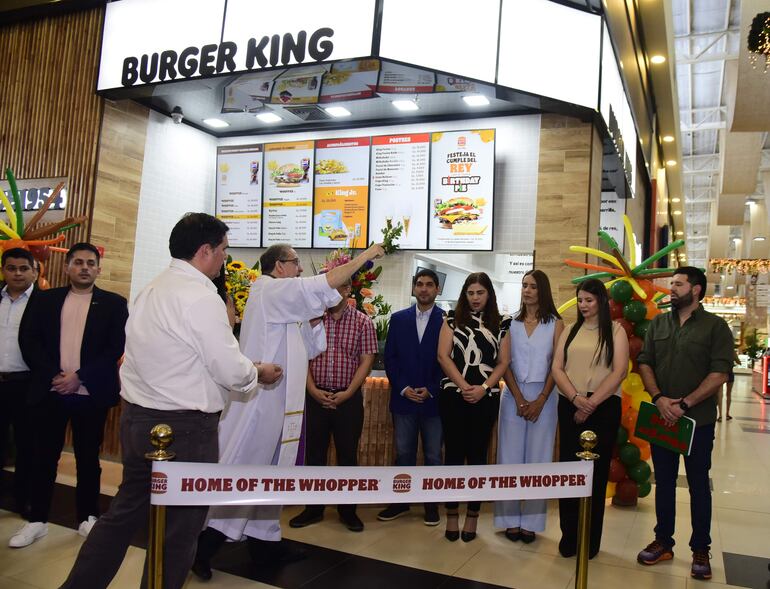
[(399, 187), (341, 212), (239, 193), (288, 193), (462, 189)]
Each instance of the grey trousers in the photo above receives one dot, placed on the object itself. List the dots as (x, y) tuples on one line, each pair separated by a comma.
[(100, 557)]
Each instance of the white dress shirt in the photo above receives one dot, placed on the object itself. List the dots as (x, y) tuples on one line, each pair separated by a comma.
[(422, 318), (11, 311), (181, 353)]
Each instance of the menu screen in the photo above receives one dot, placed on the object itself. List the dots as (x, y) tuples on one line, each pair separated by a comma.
[(462, 190), (341, 193), (399, 187), (239, 193), (288, 201)]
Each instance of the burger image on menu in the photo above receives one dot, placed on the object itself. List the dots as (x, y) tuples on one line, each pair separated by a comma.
[(456, 211), (287, 176)]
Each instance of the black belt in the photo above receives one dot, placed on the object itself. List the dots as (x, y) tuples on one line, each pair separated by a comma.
[(14, 376)]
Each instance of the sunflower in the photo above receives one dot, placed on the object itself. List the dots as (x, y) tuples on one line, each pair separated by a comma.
[(241, 295), (236, 265)]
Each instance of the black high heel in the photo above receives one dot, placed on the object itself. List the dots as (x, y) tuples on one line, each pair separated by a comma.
[(469, 536), (452, 535)]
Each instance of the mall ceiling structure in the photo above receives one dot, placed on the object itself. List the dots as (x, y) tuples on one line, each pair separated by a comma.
[(724, 114)]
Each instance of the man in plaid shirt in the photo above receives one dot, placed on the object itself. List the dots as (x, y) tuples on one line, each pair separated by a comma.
[(334, 404)]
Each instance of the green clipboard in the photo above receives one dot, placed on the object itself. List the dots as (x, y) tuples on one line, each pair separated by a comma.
[(651, 427)]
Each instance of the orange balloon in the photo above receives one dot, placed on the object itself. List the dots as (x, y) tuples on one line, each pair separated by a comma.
[(629, 420), (625, 403), (645, 451), (9, 244), (652, 309), (43, 284)]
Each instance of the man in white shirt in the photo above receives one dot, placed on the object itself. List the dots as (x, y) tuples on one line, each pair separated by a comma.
[(19, 275), (181, 358), (279, 325)]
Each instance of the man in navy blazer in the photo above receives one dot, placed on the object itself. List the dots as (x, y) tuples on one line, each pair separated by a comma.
[(415, 376), (71, 338)]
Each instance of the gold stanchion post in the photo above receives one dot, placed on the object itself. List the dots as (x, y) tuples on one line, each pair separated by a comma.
[(161, 436), (587, 442)]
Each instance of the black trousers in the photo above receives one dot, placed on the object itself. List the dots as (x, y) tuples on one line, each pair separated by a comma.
[(51, 417), (100, 557), (467, 429), (14, 415), (345, 423), (604, 422)]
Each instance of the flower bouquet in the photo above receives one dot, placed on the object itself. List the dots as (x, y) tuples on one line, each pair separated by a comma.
[(238, 282), (361, 296)]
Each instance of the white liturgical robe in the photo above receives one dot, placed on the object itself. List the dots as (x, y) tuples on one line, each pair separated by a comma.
[(265, 428)]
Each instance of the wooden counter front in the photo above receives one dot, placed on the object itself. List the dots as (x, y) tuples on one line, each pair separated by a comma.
[(375, 448)]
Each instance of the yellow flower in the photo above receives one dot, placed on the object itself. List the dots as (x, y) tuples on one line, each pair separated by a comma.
[(241, 295), (236, 265), (253, 275)]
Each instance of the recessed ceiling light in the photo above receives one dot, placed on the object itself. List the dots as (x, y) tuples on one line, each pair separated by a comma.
[(751, 201), (268, 117), (668, 138), (405, 105), (476, 100), (656, 59), (759, 238), (676, 199), (736, 239), (680, 233), (216, 123), (338, 111), (671, 163), (677, 212)]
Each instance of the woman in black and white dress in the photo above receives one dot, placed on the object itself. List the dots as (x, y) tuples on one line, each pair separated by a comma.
[(473, 351)]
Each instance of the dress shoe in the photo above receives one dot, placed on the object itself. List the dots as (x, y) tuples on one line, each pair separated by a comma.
[(452, 535), (352, 522), (527, 537), (567, 549), (513, 536), (28, 534), (393, 511), (263, 552), (431, 517), (201, 569), (307, 517)]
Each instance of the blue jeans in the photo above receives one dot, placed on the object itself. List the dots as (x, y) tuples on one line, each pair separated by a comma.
[(697, 466), (407, 427)]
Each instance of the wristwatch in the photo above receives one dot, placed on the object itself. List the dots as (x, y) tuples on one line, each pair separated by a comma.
[(486, 388), (683, 404)]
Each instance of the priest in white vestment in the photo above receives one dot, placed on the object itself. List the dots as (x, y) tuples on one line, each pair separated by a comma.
[(281, 324)]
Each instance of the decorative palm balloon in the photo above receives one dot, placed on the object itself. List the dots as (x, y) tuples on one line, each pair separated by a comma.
[(16, 234), (634, 301)]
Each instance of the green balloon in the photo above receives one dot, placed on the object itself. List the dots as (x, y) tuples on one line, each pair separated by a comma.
[(639, 472), (629, 454), (621, 292), (634, 311), (622, 436), (645, 488), (641, 328)]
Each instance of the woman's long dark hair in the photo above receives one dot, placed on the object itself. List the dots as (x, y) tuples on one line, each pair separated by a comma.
[(490, 314), (546, 309), (605, 344)]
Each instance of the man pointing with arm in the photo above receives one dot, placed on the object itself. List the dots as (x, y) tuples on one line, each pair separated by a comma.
[(276, 328)]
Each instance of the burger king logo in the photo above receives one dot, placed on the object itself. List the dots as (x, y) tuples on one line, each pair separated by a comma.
[(461, 141), (402, 483), (159, 483)]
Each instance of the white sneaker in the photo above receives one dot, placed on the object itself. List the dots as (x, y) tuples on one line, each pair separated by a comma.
[(85, 526), (28, 534)]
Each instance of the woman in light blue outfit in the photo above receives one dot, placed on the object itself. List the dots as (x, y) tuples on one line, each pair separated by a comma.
[(528, 417)]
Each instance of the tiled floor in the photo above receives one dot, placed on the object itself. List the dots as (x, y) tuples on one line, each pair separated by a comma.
[(404, 553)]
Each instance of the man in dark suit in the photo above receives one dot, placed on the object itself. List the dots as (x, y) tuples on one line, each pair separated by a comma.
[(71, 338), (415, 376), (19, 274)]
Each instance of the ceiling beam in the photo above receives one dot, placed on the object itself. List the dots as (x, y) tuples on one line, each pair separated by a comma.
[(707, 57)]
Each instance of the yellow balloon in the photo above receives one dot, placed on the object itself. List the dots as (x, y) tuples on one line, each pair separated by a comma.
[(8, 231), (631, 240), (9, 210), (595, 252), (570, 303), (635, 285), (610, 493)]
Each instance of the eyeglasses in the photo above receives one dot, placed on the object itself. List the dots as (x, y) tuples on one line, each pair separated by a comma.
[(291, 261)]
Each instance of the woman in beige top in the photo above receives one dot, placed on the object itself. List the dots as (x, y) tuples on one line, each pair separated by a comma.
[(589, 363)]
